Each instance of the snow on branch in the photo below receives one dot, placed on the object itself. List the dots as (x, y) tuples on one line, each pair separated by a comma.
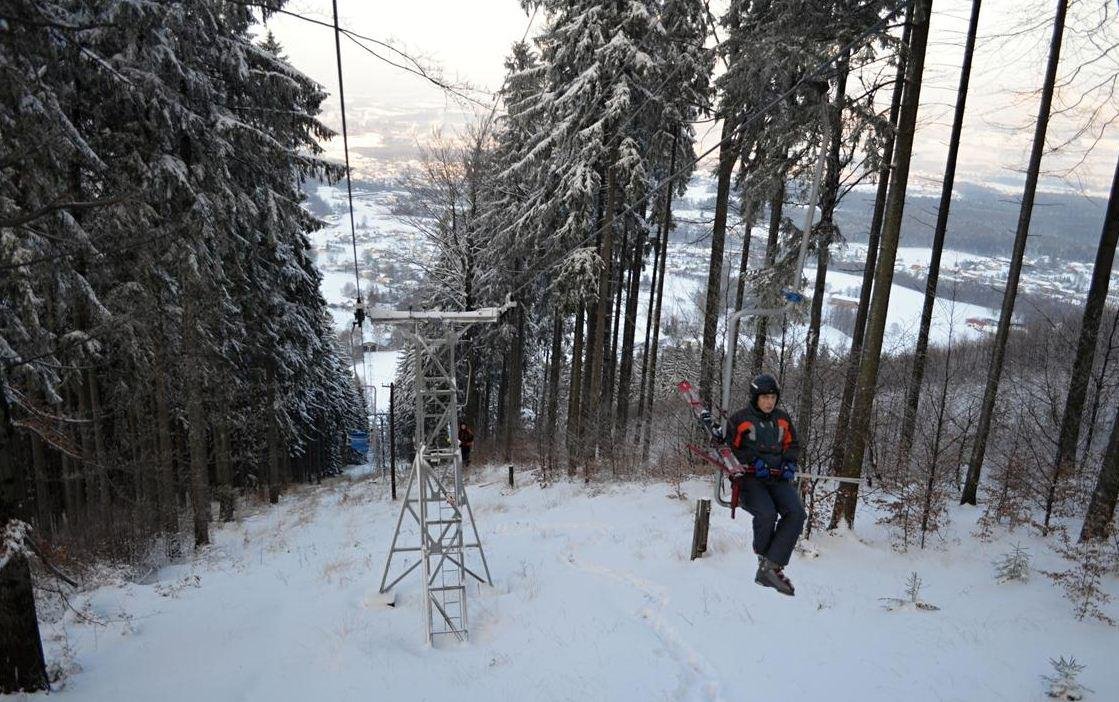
[(14, 540)]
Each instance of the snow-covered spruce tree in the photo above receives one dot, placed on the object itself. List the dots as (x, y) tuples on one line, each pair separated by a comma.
[(159, 260), (685, 94), (607, 72), (677, 91), (41, 150)]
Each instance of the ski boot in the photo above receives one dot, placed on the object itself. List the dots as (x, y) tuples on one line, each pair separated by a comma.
[(772, 575)]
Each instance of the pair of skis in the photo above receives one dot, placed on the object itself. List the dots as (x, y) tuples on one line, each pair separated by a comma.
[(718, 454)]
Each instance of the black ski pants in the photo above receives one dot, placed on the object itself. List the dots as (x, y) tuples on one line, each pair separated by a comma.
[(778, 516)]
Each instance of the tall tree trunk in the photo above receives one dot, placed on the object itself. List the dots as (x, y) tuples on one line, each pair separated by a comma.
[(712, 309), (643, 379), (574, 408), (854, 356), (654, 346), (920, 354), (273, 439), (776, 206), (199, 476), (828, 200), (1086, 345), (592, 337), (168, 504), (595, 397), (1101, 508), (22, 666), (554, 368), (223, 465), (90, 469), (101, 470), (610, 360), (994, 372), (938, 436), (1097, 394), (516, 383), (629, 330), (196, 417), (847, 498)]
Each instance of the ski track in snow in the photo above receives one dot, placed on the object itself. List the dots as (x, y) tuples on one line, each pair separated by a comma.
[(699, 681)]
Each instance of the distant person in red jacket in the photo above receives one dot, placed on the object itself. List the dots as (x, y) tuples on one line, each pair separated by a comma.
[(765, 443), (465, 442)]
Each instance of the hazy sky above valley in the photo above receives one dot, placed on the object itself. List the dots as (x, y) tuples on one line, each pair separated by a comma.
[(469, 39)]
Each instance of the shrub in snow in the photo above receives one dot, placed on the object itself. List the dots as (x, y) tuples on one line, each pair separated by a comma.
[(912, 599), (1007, 498), (1063, 685), (1013, 566), (1081, 582)]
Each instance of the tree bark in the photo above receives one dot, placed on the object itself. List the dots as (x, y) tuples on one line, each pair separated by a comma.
[(516, 383), (1101, 508), (654, 346), (595, 397), (610, 359), (196, 417), (643, 379), (227, 496), (998, 353), (22, 666), (920, 354), (273, 441), (847, 497), (574, 408), (168, 504), (1086, 345), (553, 383), (629, 330)]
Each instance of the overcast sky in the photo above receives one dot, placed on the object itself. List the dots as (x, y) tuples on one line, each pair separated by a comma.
[(469, 39)]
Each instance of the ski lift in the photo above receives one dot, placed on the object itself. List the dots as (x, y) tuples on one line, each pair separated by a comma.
[(793, 298)]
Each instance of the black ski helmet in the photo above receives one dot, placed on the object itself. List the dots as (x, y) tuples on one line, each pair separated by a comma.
[(763, 384)]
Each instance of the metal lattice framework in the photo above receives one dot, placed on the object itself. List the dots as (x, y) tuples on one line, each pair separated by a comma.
[(435, 498)]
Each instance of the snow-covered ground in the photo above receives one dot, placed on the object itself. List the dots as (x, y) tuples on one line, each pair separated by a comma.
[(594, 598)]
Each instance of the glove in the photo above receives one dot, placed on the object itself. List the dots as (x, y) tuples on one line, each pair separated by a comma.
[(761, 468), (788, 471)]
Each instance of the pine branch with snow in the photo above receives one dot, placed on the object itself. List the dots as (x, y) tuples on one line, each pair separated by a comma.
[(14, 541)]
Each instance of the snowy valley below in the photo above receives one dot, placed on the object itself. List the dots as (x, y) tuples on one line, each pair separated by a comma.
[(393, 254)]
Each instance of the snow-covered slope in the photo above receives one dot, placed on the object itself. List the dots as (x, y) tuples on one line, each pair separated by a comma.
[(594, 598)]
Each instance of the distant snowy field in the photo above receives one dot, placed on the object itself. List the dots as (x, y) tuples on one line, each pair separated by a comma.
[(594, 598)]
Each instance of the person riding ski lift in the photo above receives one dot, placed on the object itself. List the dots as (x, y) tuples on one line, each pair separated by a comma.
[(764, 441)]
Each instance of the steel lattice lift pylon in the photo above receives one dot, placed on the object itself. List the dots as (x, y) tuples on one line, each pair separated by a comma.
[(436, 497)]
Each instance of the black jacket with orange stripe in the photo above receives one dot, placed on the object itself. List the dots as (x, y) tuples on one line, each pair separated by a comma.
[(771, 437)]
